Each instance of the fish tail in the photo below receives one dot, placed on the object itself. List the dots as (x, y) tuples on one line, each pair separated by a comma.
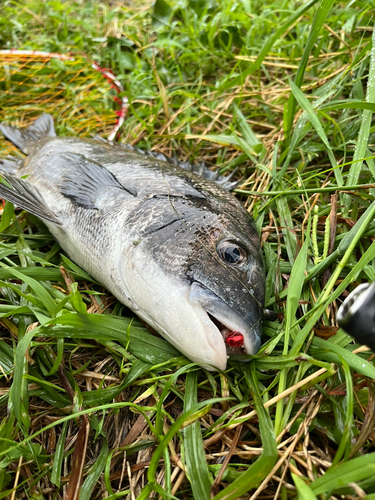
[(42, 127)]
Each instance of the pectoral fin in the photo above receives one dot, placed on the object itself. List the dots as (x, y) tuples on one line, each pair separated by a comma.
[(26, 196), (87, 181)]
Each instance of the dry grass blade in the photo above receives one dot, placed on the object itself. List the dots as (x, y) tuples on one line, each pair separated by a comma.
[(47, 85), (78, 461), (216, 484), (79, 454), (368, 424)]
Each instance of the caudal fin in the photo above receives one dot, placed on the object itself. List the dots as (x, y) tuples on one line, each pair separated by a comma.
[(42, 127)]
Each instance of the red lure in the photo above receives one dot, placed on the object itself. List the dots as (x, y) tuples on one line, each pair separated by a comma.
[(234, 339)]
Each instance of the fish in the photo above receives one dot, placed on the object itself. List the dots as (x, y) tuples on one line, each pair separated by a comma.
[(356, 315), (166, 238)]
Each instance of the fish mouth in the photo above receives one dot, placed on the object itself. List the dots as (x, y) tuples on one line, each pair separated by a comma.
[(225, 331), (231, 325)]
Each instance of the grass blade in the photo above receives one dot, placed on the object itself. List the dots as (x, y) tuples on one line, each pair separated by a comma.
[(196, 463), (352, 471), (264, 464), (350, 104), (59, 456), (362, 140), (94, 474), (279, 33), (303, 489), (335, 353), (317, 24), (39, 290), (306, 106), (294, 295), (318, 309)]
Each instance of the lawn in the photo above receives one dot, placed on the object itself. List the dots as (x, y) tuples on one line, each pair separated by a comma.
[(282, 94)]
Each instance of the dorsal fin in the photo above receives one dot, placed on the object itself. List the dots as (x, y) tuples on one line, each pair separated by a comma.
[(197, 168), (42, 127)]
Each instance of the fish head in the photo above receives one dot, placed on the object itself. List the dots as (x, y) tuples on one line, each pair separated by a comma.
[(228, 282), (196, 276)]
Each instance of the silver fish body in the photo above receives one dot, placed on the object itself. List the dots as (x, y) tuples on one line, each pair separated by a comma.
[(176, 248)]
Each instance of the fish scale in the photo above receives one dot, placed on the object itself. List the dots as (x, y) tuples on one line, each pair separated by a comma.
[(174, 246)]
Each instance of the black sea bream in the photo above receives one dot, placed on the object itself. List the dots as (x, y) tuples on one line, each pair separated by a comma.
[(176, 248)]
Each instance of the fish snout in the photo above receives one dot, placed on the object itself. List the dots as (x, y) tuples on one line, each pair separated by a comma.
[(240, 335)]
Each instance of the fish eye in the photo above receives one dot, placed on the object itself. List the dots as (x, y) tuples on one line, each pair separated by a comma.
[(231, 252)]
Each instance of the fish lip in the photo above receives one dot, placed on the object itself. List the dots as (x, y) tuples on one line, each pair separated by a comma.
[(225, 315)]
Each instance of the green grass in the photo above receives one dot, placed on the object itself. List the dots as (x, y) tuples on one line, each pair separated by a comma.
[(284, 93)]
